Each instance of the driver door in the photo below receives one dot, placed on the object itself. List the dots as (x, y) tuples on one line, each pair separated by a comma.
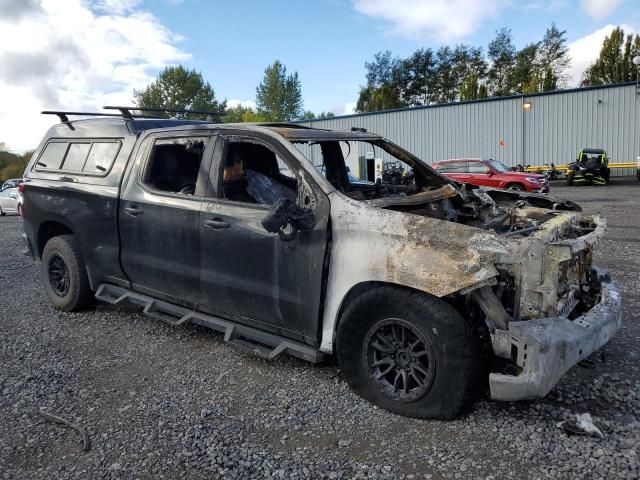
[(247, 273)]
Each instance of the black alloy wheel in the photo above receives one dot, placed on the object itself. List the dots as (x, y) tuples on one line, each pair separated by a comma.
[(58, 275), (399, 359)]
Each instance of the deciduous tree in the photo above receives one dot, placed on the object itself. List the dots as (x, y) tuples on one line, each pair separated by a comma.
[(179, 88), (502, 54), (615, 62)]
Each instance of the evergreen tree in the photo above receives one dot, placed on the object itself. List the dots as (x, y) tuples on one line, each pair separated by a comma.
[(279, 96)]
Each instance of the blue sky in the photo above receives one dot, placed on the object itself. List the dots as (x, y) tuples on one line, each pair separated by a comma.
[(83, 54), (328, 41)]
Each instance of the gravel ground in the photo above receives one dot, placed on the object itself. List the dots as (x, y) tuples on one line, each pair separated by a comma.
[(164, 402)]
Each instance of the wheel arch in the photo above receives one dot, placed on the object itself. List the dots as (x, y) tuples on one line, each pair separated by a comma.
[(361, 288), (49, 229)]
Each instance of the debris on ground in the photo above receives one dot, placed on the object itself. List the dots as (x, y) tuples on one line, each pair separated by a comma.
[(86, 443), (582, 425)]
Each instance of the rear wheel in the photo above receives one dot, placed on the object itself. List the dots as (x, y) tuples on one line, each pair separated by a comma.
[(409, 353), (2, 213), (64, 274), (20, 209)]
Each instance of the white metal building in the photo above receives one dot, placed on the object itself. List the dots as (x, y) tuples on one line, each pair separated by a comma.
[(527, 129)]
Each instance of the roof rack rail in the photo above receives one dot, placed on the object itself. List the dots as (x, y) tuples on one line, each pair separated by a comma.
[(126, 111), (64, 116)]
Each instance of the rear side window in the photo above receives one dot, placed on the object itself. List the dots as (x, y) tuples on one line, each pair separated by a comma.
[(76, 156), (453, 167), (101, 156), (478, 167), (86, 157), (52, 156)]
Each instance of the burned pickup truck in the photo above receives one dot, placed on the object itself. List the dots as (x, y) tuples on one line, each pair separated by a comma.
[(424, 294)]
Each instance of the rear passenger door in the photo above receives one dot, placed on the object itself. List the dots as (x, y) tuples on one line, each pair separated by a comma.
[(248, 273), (456, 170), (160, 213)]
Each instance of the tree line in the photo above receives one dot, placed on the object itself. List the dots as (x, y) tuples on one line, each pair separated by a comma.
[(278, 96), (464, 72), (12, 165), (427, 76)]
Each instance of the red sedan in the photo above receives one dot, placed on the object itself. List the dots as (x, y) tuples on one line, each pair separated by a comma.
[(491, 173)]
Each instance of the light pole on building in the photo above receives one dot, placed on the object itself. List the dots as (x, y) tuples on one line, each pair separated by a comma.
[(636, 62)]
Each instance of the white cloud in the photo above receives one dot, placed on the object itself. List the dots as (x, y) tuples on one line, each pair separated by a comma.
[(585, 50), (599, 9), (346, 109), (443, 20), (74, 55), (233, 103)]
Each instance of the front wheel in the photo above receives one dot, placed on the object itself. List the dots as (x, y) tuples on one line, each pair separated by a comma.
[(64, 274), (516, 187), (409, 353)]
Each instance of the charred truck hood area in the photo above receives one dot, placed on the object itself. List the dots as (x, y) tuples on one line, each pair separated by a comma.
[(520, 264)]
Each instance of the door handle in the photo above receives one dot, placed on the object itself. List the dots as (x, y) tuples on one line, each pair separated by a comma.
[(216, 224), (134, 210)]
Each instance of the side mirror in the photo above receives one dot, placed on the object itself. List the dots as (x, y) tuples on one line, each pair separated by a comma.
[(285, 213), (490, 172)]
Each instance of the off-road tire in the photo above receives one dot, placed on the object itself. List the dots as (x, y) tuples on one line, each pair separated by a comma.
[(516, 187), (78, 292), (458, 366), (569, 178)]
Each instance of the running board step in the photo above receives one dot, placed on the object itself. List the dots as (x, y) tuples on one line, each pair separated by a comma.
[(249, 339)]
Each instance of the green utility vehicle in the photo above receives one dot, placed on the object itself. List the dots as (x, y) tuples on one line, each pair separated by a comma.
[(590, 168)]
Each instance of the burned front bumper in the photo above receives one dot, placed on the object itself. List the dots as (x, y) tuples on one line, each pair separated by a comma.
[(545, 349)]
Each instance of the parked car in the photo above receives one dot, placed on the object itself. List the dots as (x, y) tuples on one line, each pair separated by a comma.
[(491, 173), (230, 226), (10, 201), (11, 183)]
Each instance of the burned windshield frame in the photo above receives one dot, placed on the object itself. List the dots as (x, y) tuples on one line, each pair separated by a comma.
[(431, 178)]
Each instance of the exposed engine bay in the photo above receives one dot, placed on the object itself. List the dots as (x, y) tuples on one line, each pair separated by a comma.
[(547, 271)]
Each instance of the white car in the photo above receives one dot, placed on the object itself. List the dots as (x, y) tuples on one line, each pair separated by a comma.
[(10, 201)]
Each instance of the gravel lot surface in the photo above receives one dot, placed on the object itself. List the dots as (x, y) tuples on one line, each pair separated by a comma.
[(165, 402)]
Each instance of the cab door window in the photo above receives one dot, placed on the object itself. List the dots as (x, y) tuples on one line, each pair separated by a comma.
[(254, 173), (174, 164)]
